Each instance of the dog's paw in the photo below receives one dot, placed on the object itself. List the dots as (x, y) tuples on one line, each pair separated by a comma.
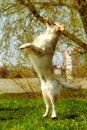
[(22, 47), (26, 45), (54, 116), (45, 115)]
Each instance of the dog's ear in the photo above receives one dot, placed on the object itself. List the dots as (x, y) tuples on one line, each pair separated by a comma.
[(60, 27)]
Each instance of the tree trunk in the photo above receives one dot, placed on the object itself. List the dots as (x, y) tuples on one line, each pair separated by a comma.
[(83, 13)]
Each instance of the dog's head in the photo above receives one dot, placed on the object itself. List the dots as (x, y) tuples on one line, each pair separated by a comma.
[(52, 27)]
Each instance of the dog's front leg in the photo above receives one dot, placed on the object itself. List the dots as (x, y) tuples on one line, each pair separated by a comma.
[(26, 45), (31, 49)]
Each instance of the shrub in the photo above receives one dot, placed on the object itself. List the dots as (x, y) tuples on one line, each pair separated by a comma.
[(3, 71)]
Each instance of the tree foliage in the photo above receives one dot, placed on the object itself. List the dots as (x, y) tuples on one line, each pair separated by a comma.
[(22, 20)]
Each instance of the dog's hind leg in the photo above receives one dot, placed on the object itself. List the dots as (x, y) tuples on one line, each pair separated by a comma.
[(47, 102), (45, 97), (53, 102)]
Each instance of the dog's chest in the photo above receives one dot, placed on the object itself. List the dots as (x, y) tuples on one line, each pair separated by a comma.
[(44, 41), (41, 63)]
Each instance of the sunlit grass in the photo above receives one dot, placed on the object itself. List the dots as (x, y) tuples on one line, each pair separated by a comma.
[(26, 114)]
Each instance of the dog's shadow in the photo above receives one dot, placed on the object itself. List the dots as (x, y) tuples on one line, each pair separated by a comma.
[(69, 116), (12, 113)]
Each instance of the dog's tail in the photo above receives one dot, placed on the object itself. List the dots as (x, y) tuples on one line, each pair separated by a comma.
[(71, 86)]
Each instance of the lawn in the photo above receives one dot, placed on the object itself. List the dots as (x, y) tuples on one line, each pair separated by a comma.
[(20, 112)]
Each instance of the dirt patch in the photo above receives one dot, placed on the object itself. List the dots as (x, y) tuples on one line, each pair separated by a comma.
[(29, 85), (66, 93), (19, 85)]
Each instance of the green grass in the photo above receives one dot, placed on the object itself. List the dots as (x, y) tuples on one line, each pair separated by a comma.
[(26, 114)]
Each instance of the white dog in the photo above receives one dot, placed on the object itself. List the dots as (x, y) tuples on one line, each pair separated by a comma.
[(41, 52)]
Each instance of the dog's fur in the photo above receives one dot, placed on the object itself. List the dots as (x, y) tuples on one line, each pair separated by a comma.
[(41, 52)]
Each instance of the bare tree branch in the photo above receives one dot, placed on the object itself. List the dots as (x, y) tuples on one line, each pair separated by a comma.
[(33, 9), (75, 39), (7, 8)]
